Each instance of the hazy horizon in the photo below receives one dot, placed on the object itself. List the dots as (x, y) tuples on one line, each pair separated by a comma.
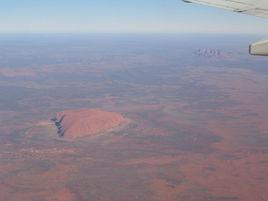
[(152, 16)]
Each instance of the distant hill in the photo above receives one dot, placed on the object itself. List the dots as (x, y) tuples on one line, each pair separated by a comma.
[(212, 53), (86, 122)]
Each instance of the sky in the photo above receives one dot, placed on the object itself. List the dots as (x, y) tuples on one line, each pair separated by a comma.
[(122, 16)]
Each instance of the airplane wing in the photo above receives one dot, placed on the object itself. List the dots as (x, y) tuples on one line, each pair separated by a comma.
[(252, 7)]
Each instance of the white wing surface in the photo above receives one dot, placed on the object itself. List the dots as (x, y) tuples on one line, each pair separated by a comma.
[(252, 7)]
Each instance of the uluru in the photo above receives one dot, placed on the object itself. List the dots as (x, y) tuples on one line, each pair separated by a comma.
[(86, 122)]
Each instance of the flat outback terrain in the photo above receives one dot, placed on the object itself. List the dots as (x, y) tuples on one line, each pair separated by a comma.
[(132, 118)]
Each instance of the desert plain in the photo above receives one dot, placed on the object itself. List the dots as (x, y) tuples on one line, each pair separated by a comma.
[(143, 118)]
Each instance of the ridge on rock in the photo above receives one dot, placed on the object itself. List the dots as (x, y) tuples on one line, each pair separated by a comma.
[(87, 122)]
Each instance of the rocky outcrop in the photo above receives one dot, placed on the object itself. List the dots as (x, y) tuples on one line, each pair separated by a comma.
[(85, 122), (210, 53)]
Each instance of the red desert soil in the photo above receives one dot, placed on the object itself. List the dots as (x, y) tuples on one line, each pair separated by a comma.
[(6, 72), (88, 122), (64, 195)]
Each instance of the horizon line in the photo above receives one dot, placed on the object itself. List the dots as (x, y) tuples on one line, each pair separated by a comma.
[(130, 33)]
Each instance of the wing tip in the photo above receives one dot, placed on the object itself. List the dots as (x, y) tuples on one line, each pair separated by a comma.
[(259, 48)]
